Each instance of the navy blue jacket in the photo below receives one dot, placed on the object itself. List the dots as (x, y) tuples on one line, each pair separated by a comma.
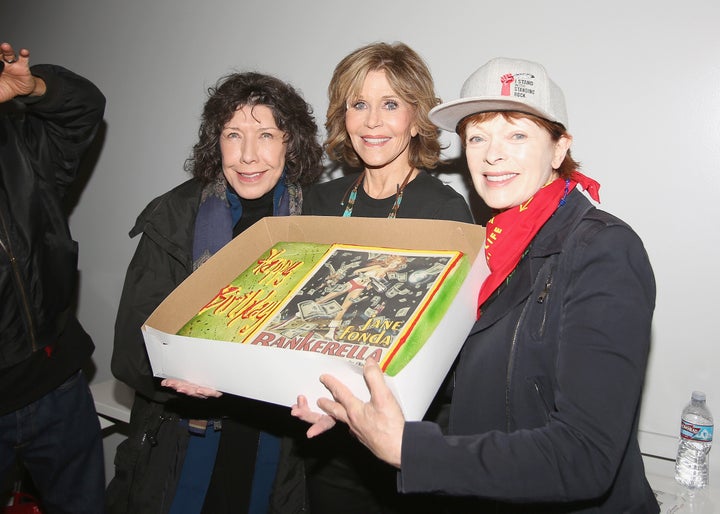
[(548, 385)]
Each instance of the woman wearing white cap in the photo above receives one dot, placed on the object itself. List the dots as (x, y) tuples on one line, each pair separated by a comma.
[(547, 389)]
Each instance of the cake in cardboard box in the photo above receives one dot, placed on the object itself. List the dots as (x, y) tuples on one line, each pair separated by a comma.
[(346, 301)]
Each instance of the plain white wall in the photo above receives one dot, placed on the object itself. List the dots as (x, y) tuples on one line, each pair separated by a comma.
[(642, 83)]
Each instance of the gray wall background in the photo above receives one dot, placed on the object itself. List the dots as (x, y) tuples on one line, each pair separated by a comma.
[(642, 83)]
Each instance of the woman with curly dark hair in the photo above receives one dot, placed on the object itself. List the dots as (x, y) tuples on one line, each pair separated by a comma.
[(257, 147), (290, 112)]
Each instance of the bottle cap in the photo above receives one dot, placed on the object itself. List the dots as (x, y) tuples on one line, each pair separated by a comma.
[(698, 396)]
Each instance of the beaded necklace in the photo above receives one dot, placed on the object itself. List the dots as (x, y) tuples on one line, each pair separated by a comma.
[(356, 185)]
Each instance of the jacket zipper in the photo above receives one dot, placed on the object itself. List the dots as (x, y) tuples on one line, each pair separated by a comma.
[(513, 346), (150, 435), (542, 400), (18, 279), (541, 299), (545, 291)]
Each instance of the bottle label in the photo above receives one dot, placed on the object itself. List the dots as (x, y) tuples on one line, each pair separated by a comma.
[(696, 432)]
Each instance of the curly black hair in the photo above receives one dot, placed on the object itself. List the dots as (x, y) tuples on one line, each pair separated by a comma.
[(292, 114)]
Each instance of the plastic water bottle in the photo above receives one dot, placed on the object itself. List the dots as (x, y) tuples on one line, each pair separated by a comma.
[(692, 466)]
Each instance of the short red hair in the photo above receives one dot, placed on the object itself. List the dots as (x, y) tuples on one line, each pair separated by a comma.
[(556, 131)]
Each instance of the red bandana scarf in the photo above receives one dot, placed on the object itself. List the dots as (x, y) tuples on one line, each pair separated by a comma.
[(508, 234)]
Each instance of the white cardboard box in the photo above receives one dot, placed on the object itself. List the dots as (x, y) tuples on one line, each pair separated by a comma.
[(276, 376)]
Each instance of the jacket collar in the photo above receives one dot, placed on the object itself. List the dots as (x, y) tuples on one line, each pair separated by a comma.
[(169, 220), (552, 236)]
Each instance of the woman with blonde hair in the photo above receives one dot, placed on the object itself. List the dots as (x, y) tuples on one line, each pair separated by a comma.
[(377, 120)]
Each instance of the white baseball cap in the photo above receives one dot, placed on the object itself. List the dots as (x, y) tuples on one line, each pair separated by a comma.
[(504, 84)]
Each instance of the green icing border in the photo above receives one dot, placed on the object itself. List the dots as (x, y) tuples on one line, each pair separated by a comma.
[(430, 319)]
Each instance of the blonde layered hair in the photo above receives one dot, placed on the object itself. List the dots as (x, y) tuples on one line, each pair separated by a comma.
[(409, 78)]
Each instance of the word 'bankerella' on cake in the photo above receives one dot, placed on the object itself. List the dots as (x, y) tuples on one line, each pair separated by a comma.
[(346, 301)]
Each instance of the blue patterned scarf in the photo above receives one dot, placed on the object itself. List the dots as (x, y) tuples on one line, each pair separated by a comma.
[(219, 211), (221, 208)]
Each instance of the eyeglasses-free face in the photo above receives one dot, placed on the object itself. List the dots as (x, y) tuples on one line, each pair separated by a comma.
[(253, 151), (510, 161), (380, 125)]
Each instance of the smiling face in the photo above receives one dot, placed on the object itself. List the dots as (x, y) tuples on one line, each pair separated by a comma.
[(253, 151), (510, 161), (380, 125)]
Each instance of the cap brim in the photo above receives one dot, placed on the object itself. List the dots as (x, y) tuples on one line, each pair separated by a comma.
[(448, 115)]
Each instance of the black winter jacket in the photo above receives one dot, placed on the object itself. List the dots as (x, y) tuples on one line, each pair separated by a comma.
[(148, 463), (545, 408), (42, 141), (162, 260)]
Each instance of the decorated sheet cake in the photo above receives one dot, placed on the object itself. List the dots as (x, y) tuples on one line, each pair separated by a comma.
[(347, 301), (322, 305)]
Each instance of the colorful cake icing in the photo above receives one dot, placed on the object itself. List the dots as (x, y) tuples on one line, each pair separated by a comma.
[(347, 301)]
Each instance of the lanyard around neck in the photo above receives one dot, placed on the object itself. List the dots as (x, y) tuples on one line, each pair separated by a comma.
[(396, 203)]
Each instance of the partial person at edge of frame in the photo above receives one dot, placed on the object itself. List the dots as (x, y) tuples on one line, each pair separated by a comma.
[(257, 148), (535, 423), (49, 118), (377, 120)]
